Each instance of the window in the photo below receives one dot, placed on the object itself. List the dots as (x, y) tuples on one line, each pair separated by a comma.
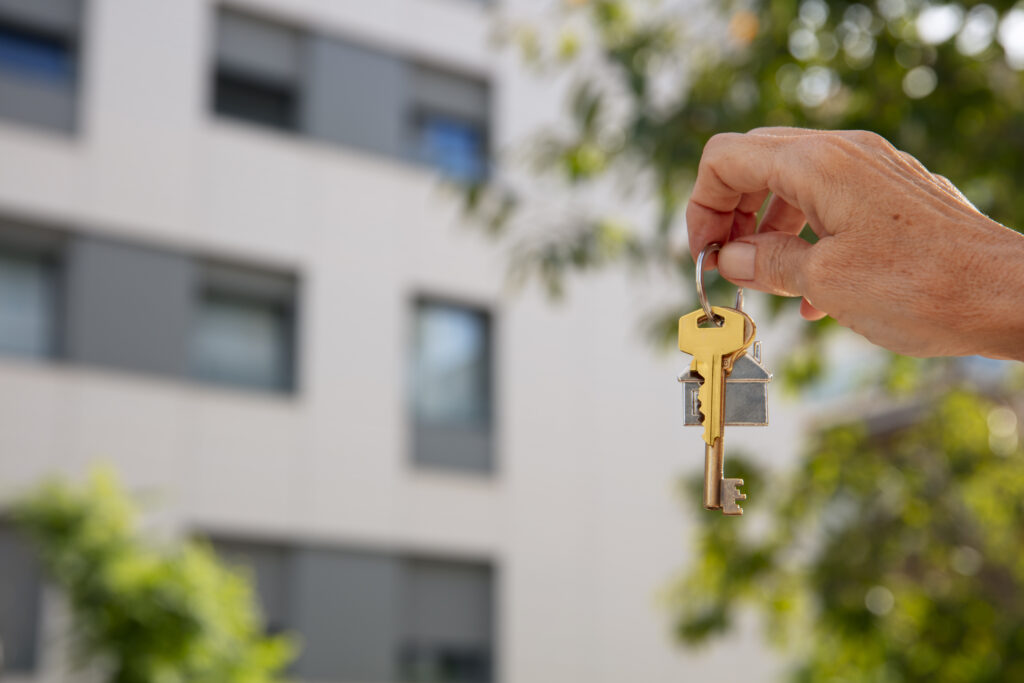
[(28, 291), (257, 74), (454, 147), (374, 616), (267, 566), (39, 61), (450, 115), (243, 332), (344, 93), (452, 386), (20, 596), (28, 306), (447, 622)]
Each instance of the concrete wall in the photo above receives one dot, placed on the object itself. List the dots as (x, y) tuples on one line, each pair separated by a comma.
[(581, 520)]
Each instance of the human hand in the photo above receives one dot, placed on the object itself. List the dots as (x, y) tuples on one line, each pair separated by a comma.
[(902, 257)]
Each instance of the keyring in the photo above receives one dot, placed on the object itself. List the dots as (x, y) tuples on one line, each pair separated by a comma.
[(699, 277)]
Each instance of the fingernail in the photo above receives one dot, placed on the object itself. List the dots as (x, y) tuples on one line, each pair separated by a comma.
[(736, 261)]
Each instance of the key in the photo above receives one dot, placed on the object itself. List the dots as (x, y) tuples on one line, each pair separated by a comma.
[(714, 349), (746, 392)]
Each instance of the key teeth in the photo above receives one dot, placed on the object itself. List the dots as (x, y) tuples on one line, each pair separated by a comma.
[(730, 494), (702, 402)]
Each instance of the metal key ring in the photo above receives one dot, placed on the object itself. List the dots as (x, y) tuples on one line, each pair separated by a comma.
[(699, 277)]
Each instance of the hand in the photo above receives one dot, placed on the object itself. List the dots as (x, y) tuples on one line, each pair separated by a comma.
[(902, 257)]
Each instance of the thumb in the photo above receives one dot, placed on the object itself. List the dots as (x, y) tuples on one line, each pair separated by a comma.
[(773, 262)]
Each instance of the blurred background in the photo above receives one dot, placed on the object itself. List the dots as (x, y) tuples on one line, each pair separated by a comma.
[(333, 349)]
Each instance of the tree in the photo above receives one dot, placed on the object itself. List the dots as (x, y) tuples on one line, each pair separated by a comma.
[(651, 84), (890, 553), (893, 552), (145, 614)]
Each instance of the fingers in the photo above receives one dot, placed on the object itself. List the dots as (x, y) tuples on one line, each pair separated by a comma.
[(773, 262), (736, 173), (732, 166), (809, 312), (781, 216)]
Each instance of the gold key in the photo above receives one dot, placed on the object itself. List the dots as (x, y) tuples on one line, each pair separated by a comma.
[(714, 349)]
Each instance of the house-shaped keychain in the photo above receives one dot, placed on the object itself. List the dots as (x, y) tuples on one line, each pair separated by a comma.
[(746, 392)]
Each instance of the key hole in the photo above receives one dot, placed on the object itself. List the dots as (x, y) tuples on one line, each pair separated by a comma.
[(705, 322)]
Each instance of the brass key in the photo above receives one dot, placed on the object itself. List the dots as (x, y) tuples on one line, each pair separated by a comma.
[(714, 348)]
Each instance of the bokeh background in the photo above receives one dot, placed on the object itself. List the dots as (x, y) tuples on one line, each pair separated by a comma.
[(334, 349)]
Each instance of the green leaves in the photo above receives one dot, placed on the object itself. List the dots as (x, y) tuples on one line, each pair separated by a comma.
[(894, 548), (163, 615), (652, 85)]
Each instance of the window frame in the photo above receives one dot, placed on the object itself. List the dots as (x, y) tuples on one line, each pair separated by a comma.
[(74, 41), (491, 466), (216, 70), (212, 284), (23, 239)]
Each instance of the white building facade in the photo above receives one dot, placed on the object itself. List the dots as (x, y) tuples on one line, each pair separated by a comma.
[(228, 267)]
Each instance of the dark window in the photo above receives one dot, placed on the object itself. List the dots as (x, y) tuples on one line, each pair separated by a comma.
[(39, 61), (255, 100), (452, 387), (20, 596), (257, 75), (34, 55), (244, 330)]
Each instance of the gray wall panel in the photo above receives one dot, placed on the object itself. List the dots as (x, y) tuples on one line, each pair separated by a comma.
[(357, 97), (345, 606), (128, 307), (459, 447)]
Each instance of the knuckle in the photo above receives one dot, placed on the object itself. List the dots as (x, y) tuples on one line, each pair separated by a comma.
[(719, 142), (868, 139), (830, 150), (815, 270)]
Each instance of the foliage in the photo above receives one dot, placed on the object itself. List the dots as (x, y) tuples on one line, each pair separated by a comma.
[(146, 615), (894, 551), (653, 81)]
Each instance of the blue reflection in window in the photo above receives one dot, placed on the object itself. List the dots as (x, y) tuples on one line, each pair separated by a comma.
[(454, 147), (35, 56)]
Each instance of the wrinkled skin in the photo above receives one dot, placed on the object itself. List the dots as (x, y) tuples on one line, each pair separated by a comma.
[(903, 258)]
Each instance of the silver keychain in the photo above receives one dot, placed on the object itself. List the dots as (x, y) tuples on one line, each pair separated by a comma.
[(746, 387)]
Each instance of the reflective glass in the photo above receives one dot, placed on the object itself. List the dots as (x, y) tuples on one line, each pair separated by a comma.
[(34, 56), (242, 342), (27, 305), (451, 365), (454, 147)]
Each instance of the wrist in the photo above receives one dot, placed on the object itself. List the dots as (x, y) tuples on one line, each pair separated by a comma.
[(1002, 334)]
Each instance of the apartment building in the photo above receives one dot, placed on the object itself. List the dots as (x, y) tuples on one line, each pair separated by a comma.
[(231, 264)]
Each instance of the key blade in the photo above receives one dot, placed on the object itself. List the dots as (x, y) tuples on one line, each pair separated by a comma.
[(709, 395)]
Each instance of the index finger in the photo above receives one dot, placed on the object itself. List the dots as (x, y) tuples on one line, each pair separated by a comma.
[(734, 165)]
